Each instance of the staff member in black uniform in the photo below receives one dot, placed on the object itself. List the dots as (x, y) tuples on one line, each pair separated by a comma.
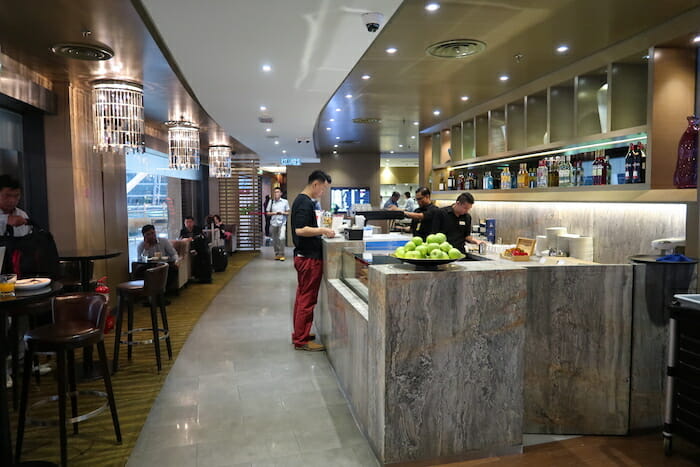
[(455, 222), (422, 217)]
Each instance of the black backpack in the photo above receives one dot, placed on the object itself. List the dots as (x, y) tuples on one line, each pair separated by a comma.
[(34, 255)]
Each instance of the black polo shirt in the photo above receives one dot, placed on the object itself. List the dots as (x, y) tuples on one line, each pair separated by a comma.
[(457, 229), (423, 228), (304, 215)]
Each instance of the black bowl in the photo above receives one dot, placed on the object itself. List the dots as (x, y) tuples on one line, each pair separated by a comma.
[(428, 264)]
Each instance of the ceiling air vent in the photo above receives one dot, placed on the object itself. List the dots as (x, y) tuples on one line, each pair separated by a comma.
[(349, 141), (456, 48), (81, 51), (265, 119), (366, 120)]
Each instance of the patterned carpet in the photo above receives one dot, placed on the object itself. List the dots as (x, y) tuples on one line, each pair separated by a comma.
[(136, 385)]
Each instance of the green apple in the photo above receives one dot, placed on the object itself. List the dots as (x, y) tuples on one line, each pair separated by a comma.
[(400, 252), (436, 254), (454, 253), (444, 246), (432, 246), (441, 237), (422, 249), (432, 239), (409, 246), (417, 241), (413, 255)]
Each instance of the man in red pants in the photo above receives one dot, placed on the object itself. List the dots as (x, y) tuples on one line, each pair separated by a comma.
[(308, 259)]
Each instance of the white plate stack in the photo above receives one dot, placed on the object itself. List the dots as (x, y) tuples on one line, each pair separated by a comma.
[(552, 234), (564, 242), (540, 244), (581, 248)]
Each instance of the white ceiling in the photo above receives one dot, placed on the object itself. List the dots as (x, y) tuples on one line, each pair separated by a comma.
[(311, 45)]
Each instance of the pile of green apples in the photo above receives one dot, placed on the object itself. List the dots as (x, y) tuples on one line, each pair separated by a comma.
[(434, 247)]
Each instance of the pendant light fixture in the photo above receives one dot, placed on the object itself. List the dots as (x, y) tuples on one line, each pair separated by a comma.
[(118, 116), (183, 142), (220, 161)]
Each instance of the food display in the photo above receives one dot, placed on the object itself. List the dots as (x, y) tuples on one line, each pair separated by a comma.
[(521, 252), (434, 248), (515, 252)]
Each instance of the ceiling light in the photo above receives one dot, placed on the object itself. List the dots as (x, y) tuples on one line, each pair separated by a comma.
[(504, 77), (464, 98), (562, 49), (413, 137), (392, 50), (366, 76), (337, 137), (416, 123), (266, 68), (432, 6), (118, 118), (263, 108), (335, 145), (277, 142), (646, 57), (335, 152), (348, 96), (436, 112), (696, 39), (284, 151), (391, 152), (83, 51), (268, 129), (328, 128), (332, 120), (400, 145), (183, 143), (338, 109), (220, 161)]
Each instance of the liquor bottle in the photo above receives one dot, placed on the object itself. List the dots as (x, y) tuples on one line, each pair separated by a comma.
[(607, 171), (532, 178), (520, 180), (505, 179), (475, 182), (451, 181), (488, 181), (460, 181), (642, 164), (553, 176), (441, 186), (636, 164), (596, 170), (565, 172), (430, 182), (574, 173), (469, 185), (542, 174), (628, 163)]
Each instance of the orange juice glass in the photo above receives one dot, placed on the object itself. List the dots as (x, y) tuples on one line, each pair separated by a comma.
[(7, 284)]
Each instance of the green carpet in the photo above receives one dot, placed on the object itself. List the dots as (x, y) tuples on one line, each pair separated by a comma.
[(136, 384)]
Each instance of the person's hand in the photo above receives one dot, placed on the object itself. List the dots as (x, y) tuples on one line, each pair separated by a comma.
[(16, 221), (330, 233)]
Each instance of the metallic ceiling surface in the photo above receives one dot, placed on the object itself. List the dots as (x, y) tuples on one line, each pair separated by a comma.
[(409, 85), (310, 44), (28, 29)]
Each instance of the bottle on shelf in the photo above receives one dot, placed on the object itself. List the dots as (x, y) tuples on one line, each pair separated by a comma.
[(460, 181), (488, 181), (565, 172), (542, 174), (574, 173), (441, 186), (505, 179), (451, 181), (607, 171), (642, 164), (629, 160), (596, 169), (553, 175), (520, 182), (532, 178)]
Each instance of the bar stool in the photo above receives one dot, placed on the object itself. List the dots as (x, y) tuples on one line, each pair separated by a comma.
[(78, 320), (151, 287)]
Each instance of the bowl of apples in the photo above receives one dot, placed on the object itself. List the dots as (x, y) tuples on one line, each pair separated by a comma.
[(428, 254)]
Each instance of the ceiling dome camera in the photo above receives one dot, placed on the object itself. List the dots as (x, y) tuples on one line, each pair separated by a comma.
[(373, 21)]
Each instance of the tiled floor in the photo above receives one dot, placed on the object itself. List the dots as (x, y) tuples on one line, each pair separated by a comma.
[(239, 395)]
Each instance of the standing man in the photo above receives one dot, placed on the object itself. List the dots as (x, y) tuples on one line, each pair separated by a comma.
[(410, 205), (393, 202), (277, 211), (455, 222), (422, 218), (308, 259)]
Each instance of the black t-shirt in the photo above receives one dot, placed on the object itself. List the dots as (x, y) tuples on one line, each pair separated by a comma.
[(304, 215), (423, 228), (457, 229), (196, 230)]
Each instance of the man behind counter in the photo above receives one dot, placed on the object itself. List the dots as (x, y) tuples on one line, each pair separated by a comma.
[(422, 218), (455, 222)]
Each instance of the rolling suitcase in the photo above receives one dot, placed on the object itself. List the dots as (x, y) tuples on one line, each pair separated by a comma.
[(219, 259)]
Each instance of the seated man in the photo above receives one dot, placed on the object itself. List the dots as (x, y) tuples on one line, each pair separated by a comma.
[(151, 245), (190, 230)]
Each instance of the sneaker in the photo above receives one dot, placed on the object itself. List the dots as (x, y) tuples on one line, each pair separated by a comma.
[(310, 347)]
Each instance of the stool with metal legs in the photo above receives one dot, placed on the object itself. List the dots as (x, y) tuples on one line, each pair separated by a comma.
[(78, 320), (151, 287)]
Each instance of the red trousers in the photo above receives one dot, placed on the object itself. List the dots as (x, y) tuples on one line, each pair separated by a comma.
[(309, 274)]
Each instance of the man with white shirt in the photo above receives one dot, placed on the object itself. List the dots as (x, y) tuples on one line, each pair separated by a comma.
[(278, 210), (13, 221)]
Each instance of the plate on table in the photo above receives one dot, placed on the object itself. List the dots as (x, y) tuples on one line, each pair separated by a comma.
[(162, 258), (32, 283)]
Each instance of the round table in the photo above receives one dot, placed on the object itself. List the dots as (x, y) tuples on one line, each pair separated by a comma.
[(7, 303), (84, 256)]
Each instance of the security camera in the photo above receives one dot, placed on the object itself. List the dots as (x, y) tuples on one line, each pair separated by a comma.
[(372, 21)]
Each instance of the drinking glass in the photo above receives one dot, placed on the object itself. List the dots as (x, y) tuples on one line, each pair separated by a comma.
[(7, 284)]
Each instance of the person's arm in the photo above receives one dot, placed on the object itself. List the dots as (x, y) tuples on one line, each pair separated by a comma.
[(139, 249), (299, 217), (414, 215), (286, 209), (473, 240), (170, 250)]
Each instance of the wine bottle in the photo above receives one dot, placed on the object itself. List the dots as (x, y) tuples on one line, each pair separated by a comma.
[(441, 186), (642, 164), (460, 180), (628, 164), (636, 164), (607, 171), (451, 181)]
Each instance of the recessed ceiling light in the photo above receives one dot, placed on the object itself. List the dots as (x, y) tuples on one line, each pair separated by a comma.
[(328, 128), (337, 137), (284, 151), (562, 49), (338, 109), (277, 142), (335, 152), (696, 39), (335, 145), (432, 6), (268, 129), (400, 145), (348, 96), (416, 123), (266, 68), (436, 112), (504, 77), (464, 98), (332, 120), (391, 152), (646, 57), (413, 137), (392, 50), (366, 76), (263, 108)]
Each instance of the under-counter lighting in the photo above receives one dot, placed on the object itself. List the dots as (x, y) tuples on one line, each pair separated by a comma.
[(504, 77), (464, 98), (631, 139), (432, 6), (562, 49), (392, 50), (366, 77)]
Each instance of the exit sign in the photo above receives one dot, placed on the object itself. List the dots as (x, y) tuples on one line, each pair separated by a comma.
[(291, 161)]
